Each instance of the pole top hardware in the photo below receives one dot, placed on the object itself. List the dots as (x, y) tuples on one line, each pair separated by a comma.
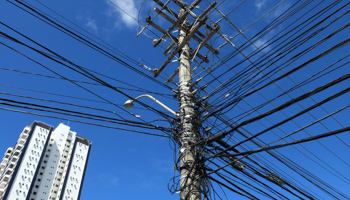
[(191, 30)]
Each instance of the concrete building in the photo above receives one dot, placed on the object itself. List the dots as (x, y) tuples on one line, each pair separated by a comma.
[(44, 164)]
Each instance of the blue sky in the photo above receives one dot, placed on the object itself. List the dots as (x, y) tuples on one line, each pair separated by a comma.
[(130, 165)]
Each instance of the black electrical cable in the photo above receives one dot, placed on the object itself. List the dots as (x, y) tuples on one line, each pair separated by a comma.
[(138, 89), (134, 131), (296, 142)]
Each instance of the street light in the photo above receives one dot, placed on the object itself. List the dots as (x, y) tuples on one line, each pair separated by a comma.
[(130, 103)]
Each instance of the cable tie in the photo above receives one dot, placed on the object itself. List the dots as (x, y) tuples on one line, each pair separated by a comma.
[(183, 176)]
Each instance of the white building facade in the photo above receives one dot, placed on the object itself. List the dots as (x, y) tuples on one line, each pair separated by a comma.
[(44, 164)]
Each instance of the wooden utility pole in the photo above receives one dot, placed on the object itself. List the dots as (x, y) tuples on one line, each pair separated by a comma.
[(188, 134), (189, 171)]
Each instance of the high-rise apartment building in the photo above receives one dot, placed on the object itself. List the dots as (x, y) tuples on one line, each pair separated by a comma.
[(44, 164)]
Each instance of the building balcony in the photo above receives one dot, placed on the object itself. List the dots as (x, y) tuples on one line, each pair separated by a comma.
[(12, 166), (7, 155), (19, 147), (3, 185), (59, 169), (17, 153), (2, 165), (5, 160), (14, 160), (21, 141), (15, 156), (9, 172), (5, 179), (9, 150), (23, 136)]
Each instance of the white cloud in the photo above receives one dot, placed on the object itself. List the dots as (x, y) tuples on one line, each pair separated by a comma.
[(126, 10), (92, 24), (260, 44), (88, 22), (108, 180), (280, 9), (260, 3)]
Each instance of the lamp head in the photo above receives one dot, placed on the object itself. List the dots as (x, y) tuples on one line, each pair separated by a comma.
[(129, 104)]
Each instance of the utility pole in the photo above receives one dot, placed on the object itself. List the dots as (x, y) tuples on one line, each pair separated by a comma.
[(189, 170), (188, 136)]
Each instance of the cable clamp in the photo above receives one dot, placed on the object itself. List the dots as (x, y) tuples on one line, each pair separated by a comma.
[(183, 176), (185, 48), (182, 150)]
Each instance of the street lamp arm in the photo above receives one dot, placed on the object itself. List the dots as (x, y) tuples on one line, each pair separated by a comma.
[(154, 99)]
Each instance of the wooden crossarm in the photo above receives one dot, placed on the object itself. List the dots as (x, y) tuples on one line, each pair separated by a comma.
[(181, 45)]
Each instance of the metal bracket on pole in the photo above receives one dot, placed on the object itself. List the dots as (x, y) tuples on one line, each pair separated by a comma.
[(142, 30), (216, 29)]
